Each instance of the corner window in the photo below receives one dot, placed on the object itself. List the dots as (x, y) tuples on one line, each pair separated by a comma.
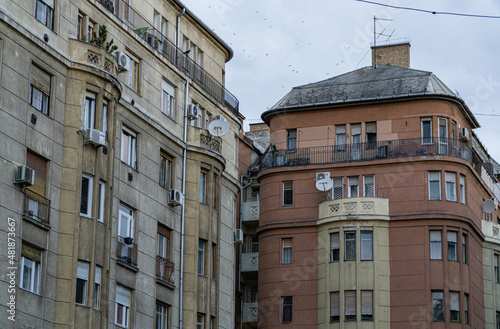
[(369, 186), (202, 244), (437, 306), (167, 99), (334, 247), (350, 245), (129, 148), (454, 306), (334, 306), (287, 193), (44, 12), (31, 268), (286, 309), (287, 251), (203, 187), (353, 183), (131, 77), (97, 287), (122, 306), (435, 245), (366, 305), (39, 89), (451, 190), (434, 185), (82, 277), (165, 171), (366, 245), (426, 130), (291, 139), (86, 196), (338, 188), (452, 245), (350, 305)]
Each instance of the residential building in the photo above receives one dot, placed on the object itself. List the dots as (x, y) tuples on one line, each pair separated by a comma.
[(370, 205), (129, 220)]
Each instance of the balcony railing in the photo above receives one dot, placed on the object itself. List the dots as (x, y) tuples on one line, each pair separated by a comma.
[(36, 207), (164, 270), (368, 151), (174, 55), (249, 262), (250, 211), (250, 312), (126, 253)]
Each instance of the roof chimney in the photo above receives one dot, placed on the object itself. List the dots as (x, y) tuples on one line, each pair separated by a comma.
[(397, 54)]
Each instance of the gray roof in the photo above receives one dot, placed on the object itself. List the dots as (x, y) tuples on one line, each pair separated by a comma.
[(366, 84)]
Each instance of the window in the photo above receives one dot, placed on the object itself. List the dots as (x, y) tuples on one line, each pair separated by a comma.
[(102, 194), (338, 188), (454, 306), (366, 305), (97, 287), (255, 194), (254, 243), (105, 118), (286, 309), (464, 248), (203, 187), (82, 277), (287, 251), (91, 29), (356, 141), (212, 321), (334, 306), (129, 148), (495, 260), (167, 99), (366, 245), (287, 193), (202, 244), (39, 89), (36, 210), (79, 31), (369, 186), (122, 306), (254, 293), (334, 247), (437, 306), (435, 245), (350, 245), (163, 241), (453, 133), (165, 171), (452, 246), (451, 191), (466, 308), (340, 137), (443, 135), (426, 130), (498, 320), (131, 77), (200, 321), (215, 182), (462, 189), (89, 115), (162, 316), (291, 139), (214, 260), (31, 268), (86, 196), (350, 305), (353, 183), (125, 222), (434, 185), (44, 12), (371, 135)]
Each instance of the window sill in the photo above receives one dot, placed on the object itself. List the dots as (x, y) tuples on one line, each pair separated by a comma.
[(287, 205), (129, 166)]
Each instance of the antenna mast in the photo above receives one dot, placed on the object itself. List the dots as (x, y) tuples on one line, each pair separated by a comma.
[(375, 19)]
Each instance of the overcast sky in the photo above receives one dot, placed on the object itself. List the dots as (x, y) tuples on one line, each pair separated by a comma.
[(280, 44)]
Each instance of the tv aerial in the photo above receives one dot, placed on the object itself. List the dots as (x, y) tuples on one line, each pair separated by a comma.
[(218, 127)]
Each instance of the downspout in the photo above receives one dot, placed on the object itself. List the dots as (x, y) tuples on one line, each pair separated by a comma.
[(183, 214), (240, 247)]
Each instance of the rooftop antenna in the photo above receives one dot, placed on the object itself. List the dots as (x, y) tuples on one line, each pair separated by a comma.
[(375, 19)]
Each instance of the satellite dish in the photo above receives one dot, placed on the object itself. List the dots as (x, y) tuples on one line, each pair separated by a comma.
[(489, 206), (324, 184), (218, 127)]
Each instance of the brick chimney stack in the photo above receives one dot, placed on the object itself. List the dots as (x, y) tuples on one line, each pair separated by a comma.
[(395, 54)]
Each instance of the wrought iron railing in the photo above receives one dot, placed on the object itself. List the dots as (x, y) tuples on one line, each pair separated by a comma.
[(36, 207), (164, 269), (369, 151), (126, 253), (174, 55)]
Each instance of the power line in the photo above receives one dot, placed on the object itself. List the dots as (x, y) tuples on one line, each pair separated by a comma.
[(486, 114), (427, 11)]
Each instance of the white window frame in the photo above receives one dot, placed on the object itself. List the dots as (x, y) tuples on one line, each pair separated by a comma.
[(454, 306), (352, 181), (102, 197), (126, 217), (162, 316), (104, 127), (167, 99), (131, 76), (97, 287), (34, 283), (423, 138), (121, 301), (452, 243), (129, 149), (82, 274), (89, 114), (200, 323), (88, 214), (436, 244), (451, 186), (462, 189), (434, 176)]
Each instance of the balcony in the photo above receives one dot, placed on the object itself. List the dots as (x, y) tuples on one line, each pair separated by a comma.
[(201, 138), (36, 207), (250, 211), (250, 312), (354, 209), (89, 54), (491, 230), (250, 262), (126, 253), (125, 13), (164, 270), (332, 154)]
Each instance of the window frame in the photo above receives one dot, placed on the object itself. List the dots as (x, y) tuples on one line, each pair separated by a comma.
[(34, 284), (462, 188), (340, 138), (287, 188), (82, 277), (352, 182), (90, 190), (291, 139), (49, 15), (163, 315), (454, 306), (167, 106), (89, 116), (202, 257), (370, 256), (452, 245), (37, 84), (435, 243), (349, 316), (126, 307), (464, 248), (97, 287), (104, 119), (286, 251), (433, 186), (451, 186), (466, 308), (334, 311), (338, 188), (128, 214), (439, 297), (130, 157), (426, 140), (44, 103), (366, 184), (286, 309), (496, 274), (163, 242), (334, 251), (131, 76), (368, 316), (203, 186), (166, 170), (351, 248), (102, 198), (200, 321)]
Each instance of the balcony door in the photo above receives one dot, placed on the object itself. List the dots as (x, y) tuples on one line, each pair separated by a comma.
[(356, 141), (443, 136)]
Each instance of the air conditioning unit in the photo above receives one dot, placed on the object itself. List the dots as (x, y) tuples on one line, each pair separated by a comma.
[(238, 236), (193, 111), (123, 61), (95, 137), (322, 176), (464, 136), (175, 197), (24, 176), (152, 40)]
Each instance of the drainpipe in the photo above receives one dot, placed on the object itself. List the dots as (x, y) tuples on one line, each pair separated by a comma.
[(240, 247), (184, 155), (178, 32)]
